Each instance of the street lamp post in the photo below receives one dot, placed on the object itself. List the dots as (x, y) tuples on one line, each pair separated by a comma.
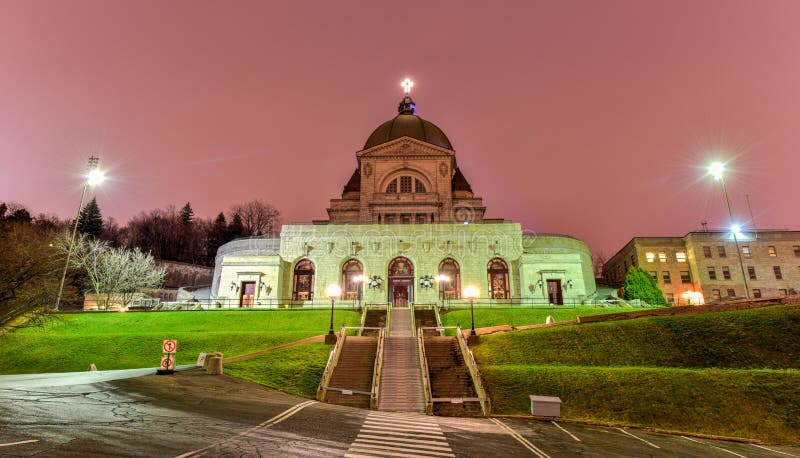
[(471, 292), (442, 279), (360, 279), (92, 178), (717, 170), (333, 291)]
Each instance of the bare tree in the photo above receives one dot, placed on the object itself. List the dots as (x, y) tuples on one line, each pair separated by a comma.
[(258, 217), (598, 260)]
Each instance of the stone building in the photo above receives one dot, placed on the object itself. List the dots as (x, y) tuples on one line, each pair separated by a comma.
[(704, 266), (406, 215)]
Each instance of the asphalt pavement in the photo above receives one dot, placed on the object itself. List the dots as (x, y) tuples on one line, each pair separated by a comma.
[(193, 414)]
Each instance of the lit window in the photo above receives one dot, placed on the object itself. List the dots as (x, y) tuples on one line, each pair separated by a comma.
[(685, 277), (650, 256), (778, 273), (726, 273), (721, 251), (662, 256), (681, 256), (746, 251), (707, 251), (751, 272), (772, 251), (756, 293), (712, 273)]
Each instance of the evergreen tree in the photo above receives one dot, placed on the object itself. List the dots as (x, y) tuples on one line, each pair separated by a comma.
[(90, 221), (639, 284), (187, 214), (216, 237), (236, 227)]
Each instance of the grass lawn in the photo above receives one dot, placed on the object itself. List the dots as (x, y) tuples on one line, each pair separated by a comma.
[(750, 339), (520, 316), (763, 404), (71, 342), (296, 370)]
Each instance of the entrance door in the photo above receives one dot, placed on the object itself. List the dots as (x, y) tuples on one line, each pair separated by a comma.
[(401, 296), (248, 294), (554, 292)]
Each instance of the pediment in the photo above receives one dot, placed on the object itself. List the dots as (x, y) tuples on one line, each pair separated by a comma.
[(405, 147)]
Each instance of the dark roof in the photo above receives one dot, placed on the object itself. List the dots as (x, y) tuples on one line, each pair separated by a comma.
[(408, 124), (354, 184), (459, 182)]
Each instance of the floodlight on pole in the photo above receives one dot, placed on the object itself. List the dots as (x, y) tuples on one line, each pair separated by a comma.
[(717, 170), (442, 279), (94, 177), (471, 292)]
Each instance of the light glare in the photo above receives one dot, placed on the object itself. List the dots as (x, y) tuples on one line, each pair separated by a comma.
[(716, 169), (333, 291), (471, 292), (95, 177)]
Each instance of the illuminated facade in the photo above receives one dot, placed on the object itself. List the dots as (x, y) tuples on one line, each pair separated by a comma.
[(406, 215)]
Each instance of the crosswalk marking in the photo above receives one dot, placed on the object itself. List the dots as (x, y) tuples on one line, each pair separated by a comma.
[(401, 435)]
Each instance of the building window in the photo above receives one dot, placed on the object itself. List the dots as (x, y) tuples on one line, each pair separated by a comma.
[(797, 250), (303, 284), (756, 293), (421, 218), (731, 293), (654, 274), (392, 188), (497, 272), (405, 218), (419, 186), (670, 299), (751, 272), (712, 273), (681, 256), (707, 251), (772, 252), (685, 277), (665, 276), (451, 289), (721, 251), (726, 273), (352, 276), (783, 292), (778, 273), (633, 260), (662, 256), (390, 218), (715, 294), (746, 251), (651, 257), (406, 185)]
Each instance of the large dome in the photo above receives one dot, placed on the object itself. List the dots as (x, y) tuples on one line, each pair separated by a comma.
[(408, 124)]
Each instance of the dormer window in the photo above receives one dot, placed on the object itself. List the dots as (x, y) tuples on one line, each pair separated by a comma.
[(407, 185)]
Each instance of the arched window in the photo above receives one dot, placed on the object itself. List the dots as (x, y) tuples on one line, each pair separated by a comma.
[(351, 271), (497, 271), (452, 287), (406, 185), (303, 285)]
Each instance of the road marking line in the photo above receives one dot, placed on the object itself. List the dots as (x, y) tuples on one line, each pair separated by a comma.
[(637, 437), (393, 430), (266, 424), (771, 450), (714, 446), (413, 445), (392, 451), (402, 423), (527, 444), (400, 435), (9, 444), (562, 429), (431, 440)]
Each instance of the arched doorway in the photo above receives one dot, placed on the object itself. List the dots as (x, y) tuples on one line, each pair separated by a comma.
[(401, 282), (351, 271), (451, 289), (497, 271), (303, 284)]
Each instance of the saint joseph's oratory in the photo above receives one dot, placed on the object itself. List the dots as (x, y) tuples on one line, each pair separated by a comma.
[(407, 229)]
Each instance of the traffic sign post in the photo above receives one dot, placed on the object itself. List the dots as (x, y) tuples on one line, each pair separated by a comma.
[(168, 349)]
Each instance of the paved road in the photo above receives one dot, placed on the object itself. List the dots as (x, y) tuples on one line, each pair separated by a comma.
[(193, 414)]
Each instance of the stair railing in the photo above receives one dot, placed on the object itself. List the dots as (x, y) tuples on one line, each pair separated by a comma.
[(389, 319), (427, 396), (333, 360), (363, 318), (376, 372), (474, 372)]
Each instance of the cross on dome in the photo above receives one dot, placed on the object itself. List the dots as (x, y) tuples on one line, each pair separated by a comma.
[(407, 85)]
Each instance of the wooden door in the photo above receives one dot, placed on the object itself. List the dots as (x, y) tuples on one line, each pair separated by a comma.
[(554, 292), (401, 296), (248, 294)]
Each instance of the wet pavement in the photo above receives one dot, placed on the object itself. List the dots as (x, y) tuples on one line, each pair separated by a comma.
[(194, 414)]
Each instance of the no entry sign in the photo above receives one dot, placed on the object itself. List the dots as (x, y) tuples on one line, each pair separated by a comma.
[(168, 363), (170, 346)]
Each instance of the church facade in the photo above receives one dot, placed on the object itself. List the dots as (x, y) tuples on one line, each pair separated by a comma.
[(407, 228)]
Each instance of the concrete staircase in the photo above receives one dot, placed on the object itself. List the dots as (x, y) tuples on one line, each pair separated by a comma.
[(401, 379), (374, 319), (354, 372), (449, 377)]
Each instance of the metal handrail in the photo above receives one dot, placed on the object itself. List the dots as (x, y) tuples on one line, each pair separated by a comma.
[(333, 359), (427, 395), (474, 372), (389, 319), (376, 372)]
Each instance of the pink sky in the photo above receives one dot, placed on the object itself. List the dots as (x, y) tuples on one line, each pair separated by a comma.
[(590, 118)]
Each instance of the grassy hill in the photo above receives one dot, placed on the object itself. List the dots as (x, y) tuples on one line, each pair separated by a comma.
[(520, 316), (730, 373), (71, 342)]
